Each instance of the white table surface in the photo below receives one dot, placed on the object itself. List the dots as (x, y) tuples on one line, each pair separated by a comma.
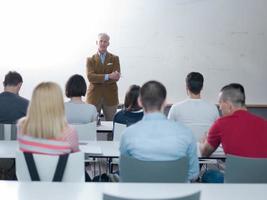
[(106, 126), (97, 148), (13, 190)]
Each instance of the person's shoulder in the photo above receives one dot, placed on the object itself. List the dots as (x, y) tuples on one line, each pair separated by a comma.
[(92, 57), (180, 103), (180, 128), (252, 116), (24, 100), (112, 55), (69, 130), (21, 99), (90, 106), (120, 117)]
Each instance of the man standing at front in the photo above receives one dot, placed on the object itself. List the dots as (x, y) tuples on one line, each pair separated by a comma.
[(155, 137), (103, 72)]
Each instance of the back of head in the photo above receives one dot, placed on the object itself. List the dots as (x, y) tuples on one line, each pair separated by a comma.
[(194, 82), (75, 86), (12, 78), (153, 95), (234, 93), (46, 116), (131, 98)]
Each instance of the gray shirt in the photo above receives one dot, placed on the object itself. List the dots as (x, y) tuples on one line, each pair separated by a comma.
[(80, 113), (12, 107)]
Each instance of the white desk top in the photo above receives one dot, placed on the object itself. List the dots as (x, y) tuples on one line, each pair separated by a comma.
[(13, 190), (106, 126), (97, 148)]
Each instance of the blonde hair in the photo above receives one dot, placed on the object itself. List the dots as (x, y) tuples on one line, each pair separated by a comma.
[(46, 115)]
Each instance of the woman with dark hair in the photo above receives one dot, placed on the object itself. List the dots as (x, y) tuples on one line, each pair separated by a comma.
[(131, 112), (78, 111)]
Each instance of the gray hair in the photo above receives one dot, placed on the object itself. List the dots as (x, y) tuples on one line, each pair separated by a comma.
[(234, 93), (103, 35)]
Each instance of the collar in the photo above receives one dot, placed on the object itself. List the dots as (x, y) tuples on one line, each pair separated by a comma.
[(102, 54), (154, 116)]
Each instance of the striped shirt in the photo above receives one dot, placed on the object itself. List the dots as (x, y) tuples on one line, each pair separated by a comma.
[(68, 143)]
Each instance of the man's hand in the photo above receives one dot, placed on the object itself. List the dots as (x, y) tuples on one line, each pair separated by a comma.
[(114, 76)]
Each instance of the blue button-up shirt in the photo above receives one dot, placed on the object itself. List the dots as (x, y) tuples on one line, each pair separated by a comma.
[(156, 138), (102, 57)]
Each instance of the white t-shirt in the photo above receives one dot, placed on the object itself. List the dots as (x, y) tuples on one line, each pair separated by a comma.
[(197, 114), (80, 113)]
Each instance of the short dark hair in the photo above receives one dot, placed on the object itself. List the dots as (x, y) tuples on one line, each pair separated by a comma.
[(131, 98), (12, 78), (153, 95), (235, 93), (194, 82), (75, 86)]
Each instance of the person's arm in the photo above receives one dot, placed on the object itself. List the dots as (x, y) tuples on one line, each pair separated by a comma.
[(123, 145), (206, 149), (210, 143), (72, 138), (92, 76), (115, 75), (193, 171)]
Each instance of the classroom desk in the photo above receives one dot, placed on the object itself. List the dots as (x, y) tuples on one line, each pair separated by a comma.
[(106, 149), (105, 126), (105, 131), (13, 190)]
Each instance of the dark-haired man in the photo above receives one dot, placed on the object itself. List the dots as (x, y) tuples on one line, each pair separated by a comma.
[(155, 137), (240, 132), (12, 106), (194, 112)]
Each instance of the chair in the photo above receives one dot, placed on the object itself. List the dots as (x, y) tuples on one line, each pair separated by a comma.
[(86, 131), (134, 170), (8, 131), (118, 130), (46, 166), (194, 196), (245, 170), (117, 133)]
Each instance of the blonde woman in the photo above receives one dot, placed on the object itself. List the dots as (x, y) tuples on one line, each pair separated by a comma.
[(44, 130)]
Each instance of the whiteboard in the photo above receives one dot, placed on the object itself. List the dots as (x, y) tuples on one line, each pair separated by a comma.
[(162, 40)]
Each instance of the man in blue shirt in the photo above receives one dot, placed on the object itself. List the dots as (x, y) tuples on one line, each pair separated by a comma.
[(155, 137)]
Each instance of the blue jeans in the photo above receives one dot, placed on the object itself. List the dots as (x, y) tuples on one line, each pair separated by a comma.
[(213, 176)]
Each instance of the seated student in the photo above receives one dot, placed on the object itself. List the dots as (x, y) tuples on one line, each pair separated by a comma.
[(44, 130), (194, 112), (132, 112), (240, 132), (12, 106), (155, 137), (77, 111)]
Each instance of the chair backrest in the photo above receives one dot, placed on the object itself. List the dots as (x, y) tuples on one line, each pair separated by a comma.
[(118, 130), (86, 131), (46, 166), (245, 170), (194, 196), (8, 131), (134, 170)]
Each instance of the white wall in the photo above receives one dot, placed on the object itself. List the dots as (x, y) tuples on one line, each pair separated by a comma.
[(155, 39)]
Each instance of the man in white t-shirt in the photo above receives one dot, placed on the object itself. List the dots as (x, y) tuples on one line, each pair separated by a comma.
[(194, 112)]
